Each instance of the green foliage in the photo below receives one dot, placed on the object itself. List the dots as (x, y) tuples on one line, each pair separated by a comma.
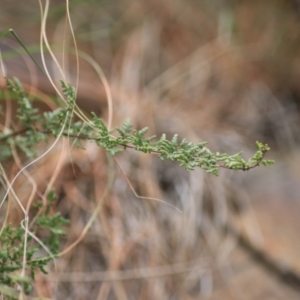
[(13, 242), (35, 127), (187, 154), (190, 155), (29, 117), (25, 113)]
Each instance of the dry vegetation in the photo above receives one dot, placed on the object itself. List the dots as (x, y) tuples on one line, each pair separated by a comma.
[(226, 72)]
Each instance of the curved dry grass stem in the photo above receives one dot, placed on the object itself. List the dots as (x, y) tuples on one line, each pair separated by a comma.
[(33, 162), (5, 184), (105, 82), (143, 197), (28, 177), (75, 44), (8, 111), (2, 65), (43, 39), (25, 221), (39, 241), (142, 273), (95, 212)]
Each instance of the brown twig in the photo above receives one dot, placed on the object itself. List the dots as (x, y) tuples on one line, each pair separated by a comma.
[(283, 272)]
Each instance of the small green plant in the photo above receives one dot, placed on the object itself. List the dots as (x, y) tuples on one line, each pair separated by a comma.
[(13, 242), (21, 253), (38, 127)]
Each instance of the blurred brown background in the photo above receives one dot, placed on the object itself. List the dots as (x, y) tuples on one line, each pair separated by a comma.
[(226, 72)]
